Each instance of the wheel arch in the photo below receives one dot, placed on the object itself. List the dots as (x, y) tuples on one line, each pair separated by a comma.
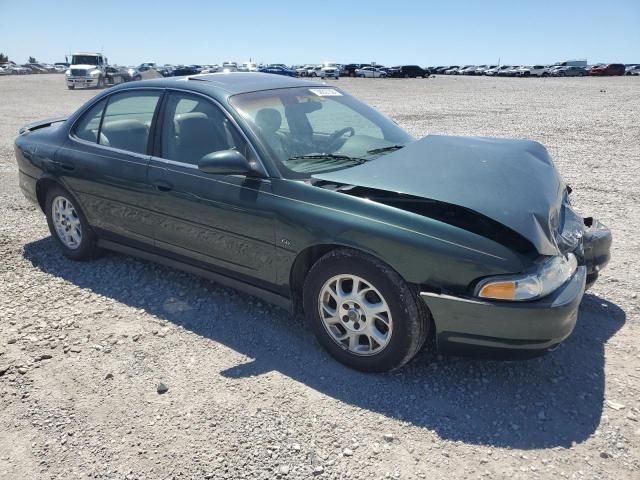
[(307, 257), (42, 186)]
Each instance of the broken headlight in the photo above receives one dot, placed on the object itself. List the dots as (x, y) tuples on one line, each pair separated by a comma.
[(551, 274)]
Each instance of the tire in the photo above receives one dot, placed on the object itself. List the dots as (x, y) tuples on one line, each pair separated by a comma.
[(71, 87), (406, 75), (406, 319), (86, 246), (100, 82)]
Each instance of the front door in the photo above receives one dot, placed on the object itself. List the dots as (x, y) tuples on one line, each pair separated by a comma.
[(222, 221)]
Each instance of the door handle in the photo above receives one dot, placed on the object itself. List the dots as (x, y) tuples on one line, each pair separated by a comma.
[(65, 166), (163, 186)]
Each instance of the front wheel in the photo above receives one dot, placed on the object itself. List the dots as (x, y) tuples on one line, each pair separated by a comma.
[(363, 313), (101, 82), (68, 225), (71, 87)]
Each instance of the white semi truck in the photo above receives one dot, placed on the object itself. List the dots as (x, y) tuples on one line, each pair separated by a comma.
[(93, 70), (86, 70)]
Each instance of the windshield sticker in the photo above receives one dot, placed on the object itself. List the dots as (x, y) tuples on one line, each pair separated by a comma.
[(325, 92)]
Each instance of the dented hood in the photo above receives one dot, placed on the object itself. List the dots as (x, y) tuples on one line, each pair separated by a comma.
[(514, 182)]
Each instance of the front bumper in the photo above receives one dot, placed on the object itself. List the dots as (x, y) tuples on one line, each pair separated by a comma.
[(534, 325), (82, 81)]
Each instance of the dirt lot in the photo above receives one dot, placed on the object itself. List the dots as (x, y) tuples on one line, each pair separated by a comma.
[(83, 346)]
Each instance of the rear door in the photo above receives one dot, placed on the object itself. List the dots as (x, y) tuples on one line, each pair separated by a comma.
[(107, 157), (221, 221)]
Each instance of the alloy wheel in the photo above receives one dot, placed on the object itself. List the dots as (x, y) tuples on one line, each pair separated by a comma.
[(355, 314), (66, 222)]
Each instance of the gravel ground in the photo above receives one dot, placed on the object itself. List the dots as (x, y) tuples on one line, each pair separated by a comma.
[(86, 347)]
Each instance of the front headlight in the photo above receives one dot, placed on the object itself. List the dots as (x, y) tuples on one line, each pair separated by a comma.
[(552, 274), (94, 73), (67, 73)]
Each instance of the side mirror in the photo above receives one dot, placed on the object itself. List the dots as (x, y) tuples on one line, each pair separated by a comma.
[(226, 162)]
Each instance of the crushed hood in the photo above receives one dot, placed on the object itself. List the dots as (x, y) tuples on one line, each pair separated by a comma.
[(513, 182)]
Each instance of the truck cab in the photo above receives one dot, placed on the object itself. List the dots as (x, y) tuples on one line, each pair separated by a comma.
[(86, 70)]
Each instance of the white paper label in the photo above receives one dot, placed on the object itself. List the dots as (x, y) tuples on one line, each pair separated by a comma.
[(325, 92)]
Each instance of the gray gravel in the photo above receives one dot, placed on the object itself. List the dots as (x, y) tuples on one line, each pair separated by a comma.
[(86, 348)]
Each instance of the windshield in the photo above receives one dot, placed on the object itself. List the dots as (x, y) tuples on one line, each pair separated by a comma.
[(310, 130), (84, 60)]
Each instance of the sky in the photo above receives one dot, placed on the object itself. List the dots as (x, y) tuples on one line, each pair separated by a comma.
[(427, 33)]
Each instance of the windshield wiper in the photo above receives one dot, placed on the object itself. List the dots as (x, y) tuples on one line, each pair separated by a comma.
[(328, 156), (390, 148)]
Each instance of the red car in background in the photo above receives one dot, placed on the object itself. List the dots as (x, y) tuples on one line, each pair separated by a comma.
[(608, 70)]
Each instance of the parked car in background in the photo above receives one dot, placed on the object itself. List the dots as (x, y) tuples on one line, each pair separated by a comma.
[(510, 72), (451, 70), (211, 69), (349, 69), (408, 71), (278, 70), (633, 70), (303, 70), (183, 70), (533, 71), (303, 195), (248, 67), (315, 71), (482, 69), (608, 70), (229, 67), (468, 70), (493, 72), (330, 70), (553, 69), (370, 72), (571, 71), (115, 75)]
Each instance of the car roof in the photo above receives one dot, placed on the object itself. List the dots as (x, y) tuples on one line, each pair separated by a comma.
[(222, 85)]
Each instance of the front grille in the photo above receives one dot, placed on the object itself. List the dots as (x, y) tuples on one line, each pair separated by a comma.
[(78, 73)]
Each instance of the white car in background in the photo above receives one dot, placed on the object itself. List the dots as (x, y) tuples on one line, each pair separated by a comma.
[(370, 72), (229, 67), (304, 70), (482, 69), (493, 72), (211, 69), (248, 67), (330, 70), (533, 71), (314, 71)]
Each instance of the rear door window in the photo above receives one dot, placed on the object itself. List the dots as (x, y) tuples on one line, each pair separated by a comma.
[(127, 120), (89, 125)]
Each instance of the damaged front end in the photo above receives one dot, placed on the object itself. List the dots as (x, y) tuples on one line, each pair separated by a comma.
[(587, 238)]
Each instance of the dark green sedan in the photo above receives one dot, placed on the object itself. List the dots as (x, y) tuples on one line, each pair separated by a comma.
[(300, 194)]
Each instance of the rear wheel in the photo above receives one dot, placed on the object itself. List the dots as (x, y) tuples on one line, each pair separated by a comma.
[(363, 313), (68, 225)]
